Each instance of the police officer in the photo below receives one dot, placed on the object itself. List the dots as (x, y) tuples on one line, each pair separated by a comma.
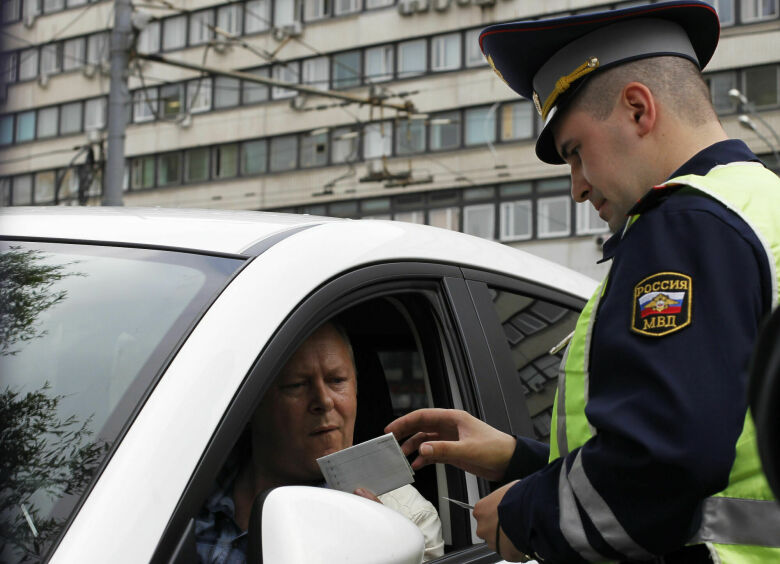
[(653, 451)]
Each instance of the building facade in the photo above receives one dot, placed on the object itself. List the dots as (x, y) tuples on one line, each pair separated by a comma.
[(428, 135)]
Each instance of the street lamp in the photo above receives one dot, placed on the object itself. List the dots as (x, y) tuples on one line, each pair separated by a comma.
[(748, 123), (746, 104)]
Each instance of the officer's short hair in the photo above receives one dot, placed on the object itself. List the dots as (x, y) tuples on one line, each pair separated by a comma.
[(675, 81)]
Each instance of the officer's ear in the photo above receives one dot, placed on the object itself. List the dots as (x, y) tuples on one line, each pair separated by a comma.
[(639, 106)]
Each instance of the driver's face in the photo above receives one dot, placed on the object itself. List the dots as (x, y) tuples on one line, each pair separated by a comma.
[(308, 412)]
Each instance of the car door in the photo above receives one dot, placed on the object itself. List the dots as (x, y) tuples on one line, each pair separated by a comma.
[(425, 335)]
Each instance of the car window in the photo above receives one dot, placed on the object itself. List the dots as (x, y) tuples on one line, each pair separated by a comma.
[(532, 327), (84, 330)]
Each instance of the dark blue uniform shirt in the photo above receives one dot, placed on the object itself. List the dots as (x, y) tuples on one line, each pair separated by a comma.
[(667, 410)]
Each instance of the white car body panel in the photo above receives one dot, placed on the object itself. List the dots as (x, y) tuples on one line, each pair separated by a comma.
[(130, 505)]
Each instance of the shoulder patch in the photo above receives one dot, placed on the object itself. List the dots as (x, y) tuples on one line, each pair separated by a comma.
[(662, 304)]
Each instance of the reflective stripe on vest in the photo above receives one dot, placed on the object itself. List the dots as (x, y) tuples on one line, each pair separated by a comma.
[(737, 533)]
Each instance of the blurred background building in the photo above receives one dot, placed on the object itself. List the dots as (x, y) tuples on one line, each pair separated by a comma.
[(411, 124)]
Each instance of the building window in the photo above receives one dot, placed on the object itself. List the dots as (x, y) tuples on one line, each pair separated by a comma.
[(342, 7), (5, 192), (201, 24), (284, 153), (415, 216), (316, 72), (375, 207), (314, 150), (474, 56), (196, 165), (480, 126), (48, 120), (10, 65), (6, 130), (229, 18), (445, 131), (257, 16), (719, 85), (199, 95), (345, 145), (315, 9), (98, 48), (28, 64), (284, 12), (254, 155), (377, 140), (22, 190), (445, 52), (480, 220), (73, 53), (253, 92), (553, 216), (517, 121), (285, 73), (371, 4), (11, 12), (44, 187), (169, 169), (756, 10), (725, 9), (446, 218), (344, 209), (74, 3), (516, 220), (25, 126), (142, 173), (172, 100), (588, 220), (70, 118), (149, 38), (346, 69), (144, 105), (379, 64), (412, 57), (31, 8), (226, 161), (174, 33), (50, 58), (761, 85), (50, 6), (411, 137), (226, 92)]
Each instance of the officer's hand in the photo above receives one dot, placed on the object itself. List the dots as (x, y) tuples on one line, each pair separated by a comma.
[(368, 494), (454, 437), (486, 514)]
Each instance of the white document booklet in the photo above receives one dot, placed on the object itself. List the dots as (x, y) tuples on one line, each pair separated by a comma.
[(377, 465)]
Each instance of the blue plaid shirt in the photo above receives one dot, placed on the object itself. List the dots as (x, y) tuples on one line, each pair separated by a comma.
[(219, 540)]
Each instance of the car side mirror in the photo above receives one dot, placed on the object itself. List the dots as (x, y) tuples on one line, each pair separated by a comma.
[(303, 524)]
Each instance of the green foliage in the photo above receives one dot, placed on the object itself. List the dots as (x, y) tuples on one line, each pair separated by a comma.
[(26, 290), (43, 457)]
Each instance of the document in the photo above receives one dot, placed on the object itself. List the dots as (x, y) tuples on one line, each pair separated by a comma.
[(377, 465)]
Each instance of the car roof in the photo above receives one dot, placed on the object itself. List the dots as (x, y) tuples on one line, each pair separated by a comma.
[(307, 238), (210, 231)]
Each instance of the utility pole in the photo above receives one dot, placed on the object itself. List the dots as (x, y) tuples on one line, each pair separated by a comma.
[(118, 101)]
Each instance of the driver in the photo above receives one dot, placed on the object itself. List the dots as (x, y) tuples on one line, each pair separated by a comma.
[(308, 412)]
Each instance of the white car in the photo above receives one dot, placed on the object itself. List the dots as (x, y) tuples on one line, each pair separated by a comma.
[(136, 344)]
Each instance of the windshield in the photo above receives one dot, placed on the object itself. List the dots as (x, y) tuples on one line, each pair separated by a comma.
[(84, 331)]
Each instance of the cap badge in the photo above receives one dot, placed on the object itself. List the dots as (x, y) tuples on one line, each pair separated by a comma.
[(563, 83), (493, 66)]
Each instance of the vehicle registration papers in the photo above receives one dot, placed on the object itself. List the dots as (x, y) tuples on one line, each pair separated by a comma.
[(377, 465)]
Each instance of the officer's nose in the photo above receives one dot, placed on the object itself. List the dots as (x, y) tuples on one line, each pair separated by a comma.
[(580, 188), (322, 398)]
